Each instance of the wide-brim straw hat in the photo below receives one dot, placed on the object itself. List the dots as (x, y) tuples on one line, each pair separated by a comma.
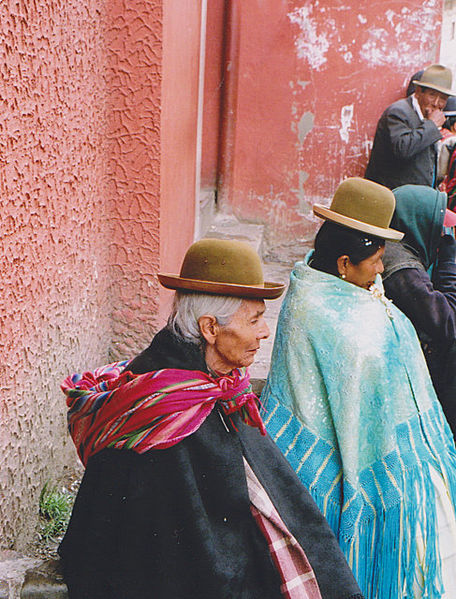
[(437, 77), (362, 205), (222, 267)]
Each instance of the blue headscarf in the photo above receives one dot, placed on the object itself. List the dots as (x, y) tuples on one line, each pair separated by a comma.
[(419, 214)]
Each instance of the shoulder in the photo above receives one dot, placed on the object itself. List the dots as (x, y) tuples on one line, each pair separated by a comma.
[(168, 351), (402, 107)]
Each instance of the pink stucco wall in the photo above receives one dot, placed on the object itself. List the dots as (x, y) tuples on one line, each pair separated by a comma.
[(97, 184), (134, 46), (153, 91), (54, 307), (313, 78)]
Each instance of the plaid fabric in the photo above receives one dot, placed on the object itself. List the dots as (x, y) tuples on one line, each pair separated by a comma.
[(155, 410), (298, 578)]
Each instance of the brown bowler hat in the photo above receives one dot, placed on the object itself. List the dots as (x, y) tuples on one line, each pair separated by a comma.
[(362, 205), (437, 77), (222, 267)]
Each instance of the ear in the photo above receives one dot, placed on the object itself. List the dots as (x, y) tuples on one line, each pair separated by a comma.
[(342, 264), (209, 328)]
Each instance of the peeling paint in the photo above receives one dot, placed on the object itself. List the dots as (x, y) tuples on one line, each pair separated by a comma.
[(305, 125), (346, 117), (310, 45), (403, 50)]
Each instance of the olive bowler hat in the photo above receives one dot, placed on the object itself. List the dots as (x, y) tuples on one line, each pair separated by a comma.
[(223, 267), (362, 205), (437, 77)]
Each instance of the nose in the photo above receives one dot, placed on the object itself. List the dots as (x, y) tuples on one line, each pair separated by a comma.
[(263, 332), (380, 268)]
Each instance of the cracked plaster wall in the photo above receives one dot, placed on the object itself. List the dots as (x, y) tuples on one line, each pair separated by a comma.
[(87, 197), (54, 310), (314, 77), (134, 46)]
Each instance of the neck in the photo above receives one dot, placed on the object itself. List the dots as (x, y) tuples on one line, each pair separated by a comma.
[(215, 363)]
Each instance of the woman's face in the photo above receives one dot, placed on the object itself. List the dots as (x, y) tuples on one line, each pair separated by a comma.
[(362, 274), (235, 344)]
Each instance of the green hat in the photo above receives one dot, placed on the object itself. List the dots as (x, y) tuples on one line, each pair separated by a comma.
[(222, 267), (362, 205), (437, 77)]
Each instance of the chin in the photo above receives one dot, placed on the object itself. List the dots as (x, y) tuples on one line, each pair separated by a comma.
[(244, 363)]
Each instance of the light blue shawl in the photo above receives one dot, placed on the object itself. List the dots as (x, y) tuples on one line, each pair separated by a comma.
[(350, 403)]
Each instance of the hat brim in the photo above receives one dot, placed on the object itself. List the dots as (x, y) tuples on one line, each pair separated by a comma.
[(266, 291), (443, 90), (352, 223)]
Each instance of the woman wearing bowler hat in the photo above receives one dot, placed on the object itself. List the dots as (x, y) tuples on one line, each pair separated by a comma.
[(184, 495), (350, 403)]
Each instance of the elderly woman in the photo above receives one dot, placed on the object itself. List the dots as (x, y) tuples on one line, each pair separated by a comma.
[(184, 495), (350, 403)]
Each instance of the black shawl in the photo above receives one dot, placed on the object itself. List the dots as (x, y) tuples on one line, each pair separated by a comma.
[(176, 523)]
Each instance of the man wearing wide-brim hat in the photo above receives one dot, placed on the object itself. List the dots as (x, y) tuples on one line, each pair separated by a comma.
[(404, 149), (185, 495)]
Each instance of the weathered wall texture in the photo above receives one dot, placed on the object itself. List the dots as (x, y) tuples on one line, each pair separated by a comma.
[(134, 46), (54, 306), (153, 99), (314, 77), (448, 46), (82, 167)]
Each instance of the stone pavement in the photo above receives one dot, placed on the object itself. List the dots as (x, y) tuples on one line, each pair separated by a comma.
[(23, 577)]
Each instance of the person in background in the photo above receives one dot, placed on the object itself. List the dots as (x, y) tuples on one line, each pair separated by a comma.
[(404, 149), (184, 494), (447, 155), (411, 86), (350, 403), (430, 303)]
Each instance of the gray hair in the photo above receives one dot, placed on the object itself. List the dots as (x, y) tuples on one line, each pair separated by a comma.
[(188, 308)]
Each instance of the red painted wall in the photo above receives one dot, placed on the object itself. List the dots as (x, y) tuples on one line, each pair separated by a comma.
[(179, 136), (213, 86), (313, 80)]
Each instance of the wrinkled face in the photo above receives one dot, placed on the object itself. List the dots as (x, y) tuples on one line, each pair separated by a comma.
[(430, 99), (364, 273), (236, 343)]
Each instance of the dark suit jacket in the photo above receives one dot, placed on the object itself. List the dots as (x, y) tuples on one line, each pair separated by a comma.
[(403, 150)]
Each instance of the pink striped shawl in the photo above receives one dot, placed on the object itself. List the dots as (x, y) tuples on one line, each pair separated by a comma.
[(155, 410)]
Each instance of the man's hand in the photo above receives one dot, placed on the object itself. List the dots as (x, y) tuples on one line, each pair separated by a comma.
[(435, 115)]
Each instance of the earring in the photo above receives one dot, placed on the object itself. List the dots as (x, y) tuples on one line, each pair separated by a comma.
[(342, 276)]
